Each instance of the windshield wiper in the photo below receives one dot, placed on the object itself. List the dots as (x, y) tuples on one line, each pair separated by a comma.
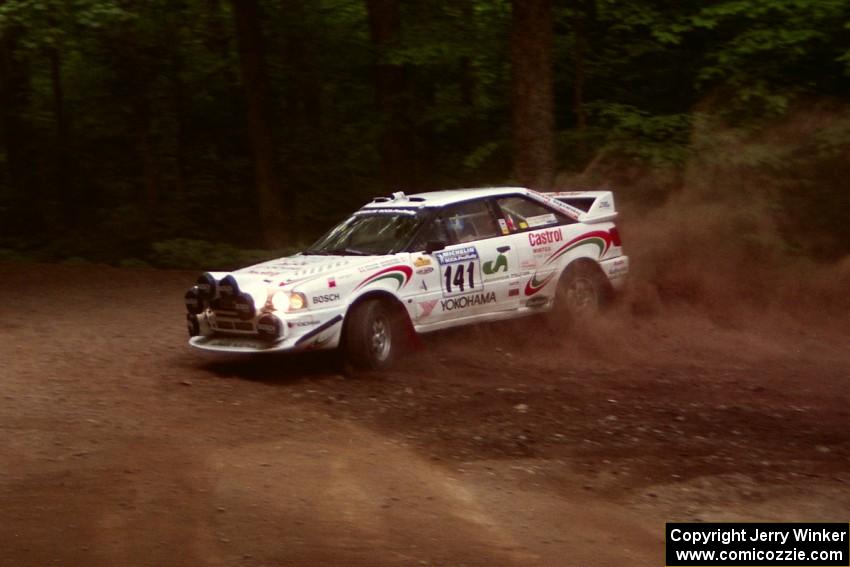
[(347, 252), (336, 252)]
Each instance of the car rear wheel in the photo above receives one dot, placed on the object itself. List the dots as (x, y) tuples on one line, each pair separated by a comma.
[(373, 335), (583, 290)]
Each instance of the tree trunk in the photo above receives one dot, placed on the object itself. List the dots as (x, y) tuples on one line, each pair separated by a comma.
[(14, 97), (390, 86), (532, 93), (252, 58), (64, 178), (578, 82)]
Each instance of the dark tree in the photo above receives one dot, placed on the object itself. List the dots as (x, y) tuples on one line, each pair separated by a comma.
[(579, 63), (252, 58), (532, 98), (14, 96), (390, 86)]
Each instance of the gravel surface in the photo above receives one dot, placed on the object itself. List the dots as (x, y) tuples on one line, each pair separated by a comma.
[(516, 444)]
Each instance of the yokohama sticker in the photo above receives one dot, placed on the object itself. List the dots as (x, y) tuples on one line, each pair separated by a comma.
[(465, 301)]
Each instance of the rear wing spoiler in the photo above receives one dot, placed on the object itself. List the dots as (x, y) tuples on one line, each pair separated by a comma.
[(594, 206)]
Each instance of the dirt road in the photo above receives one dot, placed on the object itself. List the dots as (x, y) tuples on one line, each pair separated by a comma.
[(503, 445)]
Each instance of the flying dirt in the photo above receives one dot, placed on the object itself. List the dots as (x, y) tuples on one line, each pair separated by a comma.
[(715, 388)]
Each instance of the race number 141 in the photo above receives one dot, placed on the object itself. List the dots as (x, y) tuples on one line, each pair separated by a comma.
[(459, 277)]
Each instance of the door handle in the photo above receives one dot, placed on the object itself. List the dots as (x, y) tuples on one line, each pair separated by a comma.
[(503, 249)]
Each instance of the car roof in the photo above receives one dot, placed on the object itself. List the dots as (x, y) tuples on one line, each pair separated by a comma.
[(440, 198)]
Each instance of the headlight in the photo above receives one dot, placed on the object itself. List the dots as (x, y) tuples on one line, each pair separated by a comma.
[(280, 301), (283, 301), (297, 301)]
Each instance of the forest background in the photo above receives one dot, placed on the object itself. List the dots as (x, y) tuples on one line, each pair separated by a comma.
[(210, 133)]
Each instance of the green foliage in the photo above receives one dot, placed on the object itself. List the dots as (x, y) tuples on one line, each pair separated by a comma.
[(659, 140), (154, 146), (186, 253)]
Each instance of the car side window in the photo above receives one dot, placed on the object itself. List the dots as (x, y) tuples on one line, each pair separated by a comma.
[(433, 231), (472, 220), (521, 214)]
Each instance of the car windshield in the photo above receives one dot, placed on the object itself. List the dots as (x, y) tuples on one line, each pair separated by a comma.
[(369, 233)]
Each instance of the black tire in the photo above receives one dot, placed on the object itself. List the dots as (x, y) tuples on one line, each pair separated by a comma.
[(582, 291), (373, 335)]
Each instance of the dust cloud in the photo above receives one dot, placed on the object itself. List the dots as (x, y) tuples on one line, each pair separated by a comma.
[(714, 274)]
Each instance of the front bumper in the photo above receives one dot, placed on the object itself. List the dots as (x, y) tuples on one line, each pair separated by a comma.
[(324, 334)]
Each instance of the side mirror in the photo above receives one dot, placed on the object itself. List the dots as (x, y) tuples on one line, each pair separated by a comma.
[(434, 245)]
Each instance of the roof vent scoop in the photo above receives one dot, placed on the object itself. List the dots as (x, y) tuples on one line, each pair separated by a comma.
[(399, 195)]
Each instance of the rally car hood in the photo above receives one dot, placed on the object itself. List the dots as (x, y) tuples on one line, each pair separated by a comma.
[(284, 272)]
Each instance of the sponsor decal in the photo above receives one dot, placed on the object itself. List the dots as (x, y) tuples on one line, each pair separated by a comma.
[(385, 211), (535, 284), (513, 292), (326, 298), (491, 267), (542, 237), (423, 271), (301, 323), (457, 255), (569, 210), (538, 301), (314, 332), (542, 220), (618, 269), (321, 339), (421, 261), (465, 301), (528, 265), (426, 307), (604, 205), (268, 327), (399, 274), (331, 282), (237, 343), (369, 267), (504, 226), (423, 286)]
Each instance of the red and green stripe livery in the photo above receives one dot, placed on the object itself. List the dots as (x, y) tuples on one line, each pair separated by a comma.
[(400, 274), (599, 238), (534, 285)]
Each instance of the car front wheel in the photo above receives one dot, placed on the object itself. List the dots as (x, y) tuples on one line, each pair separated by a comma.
[(372, 335)]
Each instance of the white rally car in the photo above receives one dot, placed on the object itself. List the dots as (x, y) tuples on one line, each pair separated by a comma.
[(417, 262)]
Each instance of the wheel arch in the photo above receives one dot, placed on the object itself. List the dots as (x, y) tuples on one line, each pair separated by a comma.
[(382, 295), (591, 265)]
